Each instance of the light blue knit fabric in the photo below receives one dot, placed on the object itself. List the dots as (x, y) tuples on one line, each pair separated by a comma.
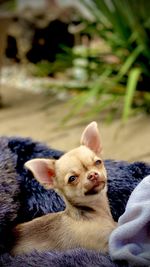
[(131, 239)]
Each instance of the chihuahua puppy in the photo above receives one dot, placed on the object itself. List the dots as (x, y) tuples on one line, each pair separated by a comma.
[(79, 176)]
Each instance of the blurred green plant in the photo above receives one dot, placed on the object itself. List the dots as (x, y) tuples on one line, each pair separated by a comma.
[(63, 61), (125, 28), (117, 73)]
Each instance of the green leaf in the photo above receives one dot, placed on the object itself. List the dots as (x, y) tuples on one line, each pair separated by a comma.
[(78, 102), (130, 91), (128, 63)]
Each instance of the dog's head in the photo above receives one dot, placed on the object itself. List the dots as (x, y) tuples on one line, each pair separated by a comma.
[(79, 174)]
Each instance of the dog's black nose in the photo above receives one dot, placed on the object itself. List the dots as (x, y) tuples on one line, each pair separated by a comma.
[(93, 176)]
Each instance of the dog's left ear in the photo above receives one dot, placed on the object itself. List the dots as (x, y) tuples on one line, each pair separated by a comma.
[(91, 138)]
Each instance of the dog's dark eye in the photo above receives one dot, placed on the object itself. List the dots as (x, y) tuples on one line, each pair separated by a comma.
[(98, 162), (72, 178)]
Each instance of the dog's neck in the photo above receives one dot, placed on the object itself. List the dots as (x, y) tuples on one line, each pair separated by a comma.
[(96, 208)]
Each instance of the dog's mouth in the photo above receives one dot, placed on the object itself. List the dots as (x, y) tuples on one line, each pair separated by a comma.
[(96, 188)]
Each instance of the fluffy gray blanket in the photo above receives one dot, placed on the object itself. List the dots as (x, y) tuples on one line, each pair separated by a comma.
[(131, 239), (22, 198)]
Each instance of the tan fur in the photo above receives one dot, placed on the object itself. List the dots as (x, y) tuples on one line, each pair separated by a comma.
[(86, 221)]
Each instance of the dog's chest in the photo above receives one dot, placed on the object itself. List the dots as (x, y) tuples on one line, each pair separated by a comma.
[(90, 234)]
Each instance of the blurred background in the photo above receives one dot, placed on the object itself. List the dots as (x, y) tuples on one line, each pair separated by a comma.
[(64, 63)]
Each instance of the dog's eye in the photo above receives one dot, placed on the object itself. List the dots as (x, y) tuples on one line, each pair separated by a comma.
[(98, 162), (72, 178)]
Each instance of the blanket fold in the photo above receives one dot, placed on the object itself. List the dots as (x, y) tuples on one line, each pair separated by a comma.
[(22, 198), (131, 239)]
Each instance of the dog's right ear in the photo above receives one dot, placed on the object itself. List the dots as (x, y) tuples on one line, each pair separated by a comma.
[(91, 138), (43, 170)]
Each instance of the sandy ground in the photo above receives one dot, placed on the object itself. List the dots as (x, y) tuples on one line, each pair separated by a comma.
[(24, 114)]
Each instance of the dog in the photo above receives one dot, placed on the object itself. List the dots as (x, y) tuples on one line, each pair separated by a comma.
[(79, 176)]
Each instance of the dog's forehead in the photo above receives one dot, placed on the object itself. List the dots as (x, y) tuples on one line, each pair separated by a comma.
[(76, 158)]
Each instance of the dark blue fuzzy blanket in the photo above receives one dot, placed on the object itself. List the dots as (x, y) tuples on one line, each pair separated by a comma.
[(22, 199)]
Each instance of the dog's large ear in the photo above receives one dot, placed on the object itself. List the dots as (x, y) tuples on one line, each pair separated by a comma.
[(91, 138), (43, 170)]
